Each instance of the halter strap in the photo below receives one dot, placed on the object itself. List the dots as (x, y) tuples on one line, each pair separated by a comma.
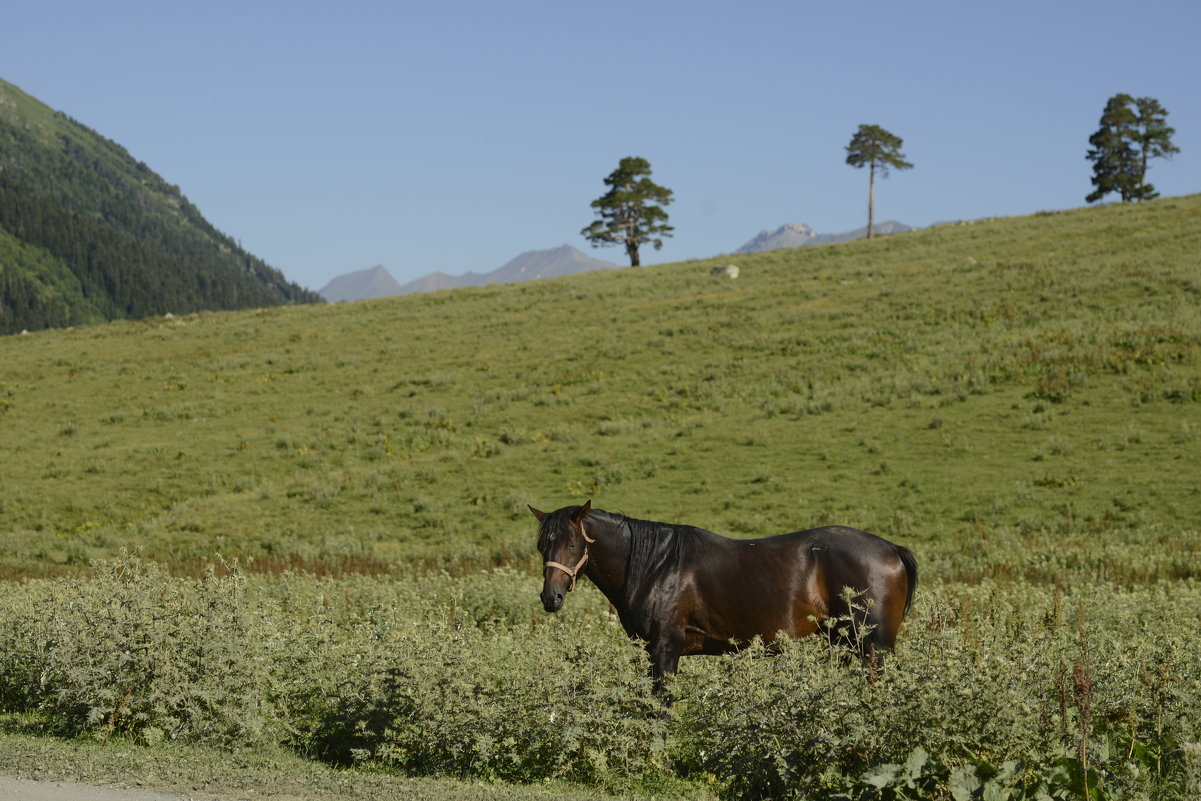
[(574, 571)]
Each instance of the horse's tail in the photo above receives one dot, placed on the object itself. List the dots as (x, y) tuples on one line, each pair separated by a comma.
[(910, 562)]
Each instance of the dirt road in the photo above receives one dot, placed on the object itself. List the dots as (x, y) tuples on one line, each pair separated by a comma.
[(28, 790)]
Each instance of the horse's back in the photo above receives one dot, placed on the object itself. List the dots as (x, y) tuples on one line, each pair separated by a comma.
[(851, 549), (825, 543), (839, 537), (829, 558)]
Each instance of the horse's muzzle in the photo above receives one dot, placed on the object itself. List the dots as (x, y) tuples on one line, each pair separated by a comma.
[(552, 600)]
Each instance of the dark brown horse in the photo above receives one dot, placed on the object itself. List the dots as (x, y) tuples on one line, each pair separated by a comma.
[(685, 590)]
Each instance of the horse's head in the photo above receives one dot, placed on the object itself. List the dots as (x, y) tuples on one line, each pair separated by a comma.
[(563, 543)]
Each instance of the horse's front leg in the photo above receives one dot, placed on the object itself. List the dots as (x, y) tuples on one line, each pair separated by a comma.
[(665, 659)]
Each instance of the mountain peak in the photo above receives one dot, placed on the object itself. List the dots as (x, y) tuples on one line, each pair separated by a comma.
[(796, 235), (788, 235), (374, 282)]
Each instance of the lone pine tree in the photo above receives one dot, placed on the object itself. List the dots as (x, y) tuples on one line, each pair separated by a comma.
[(631, 212), (876, 148)]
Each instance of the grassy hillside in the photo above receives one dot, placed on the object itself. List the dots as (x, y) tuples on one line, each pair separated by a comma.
[(1016, 400), (87, 233), (1001, 381)]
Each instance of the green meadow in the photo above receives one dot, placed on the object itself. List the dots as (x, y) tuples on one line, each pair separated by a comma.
[(331, 502)]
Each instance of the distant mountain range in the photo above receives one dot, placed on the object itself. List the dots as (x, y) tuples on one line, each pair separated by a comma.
[(377, 282), (796, 235), (88, 233)]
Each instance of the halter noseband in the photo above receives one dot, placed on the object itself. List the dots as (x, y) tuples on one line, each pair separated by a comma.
[(574, 571)]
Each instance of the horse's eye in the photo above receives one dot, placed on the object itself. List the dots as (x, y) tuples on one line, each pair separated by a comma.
[(571, 547)]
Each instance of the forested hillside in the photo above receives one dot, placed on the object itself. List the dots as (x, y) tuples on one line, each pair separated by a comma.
[(88, 234)]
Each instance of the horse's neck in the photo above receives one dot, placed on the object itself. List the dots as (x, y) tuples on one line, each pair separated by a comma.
[(608, 556)]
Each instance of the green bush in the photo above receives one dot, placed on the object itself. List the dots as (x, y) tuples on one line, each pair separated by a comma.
[(990, 689), (444, 676), (554, 702), (995, 690), (135, 652)]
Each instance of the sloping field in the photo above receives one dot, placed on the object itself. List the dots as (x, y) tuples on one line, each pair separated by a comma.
[(1006, 377), (1016, 400)]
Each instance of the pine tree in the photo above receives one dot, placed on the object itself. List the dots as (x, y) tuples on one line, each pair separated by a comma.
[(1113, 154), (1132, 132), (628, 212), (1154, 139), (874, 147)]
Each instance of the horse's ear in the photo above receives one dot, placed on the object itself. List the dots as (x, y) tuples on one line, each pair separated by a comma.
[(536, 513), (584, 510)]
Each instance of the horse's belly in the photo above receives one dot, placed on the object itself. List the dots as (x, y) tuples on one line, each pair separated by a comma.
[(730, 633)]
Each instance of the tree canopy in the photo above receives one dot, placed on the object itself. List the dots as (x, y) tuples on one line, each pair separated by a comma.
[(631, 212)]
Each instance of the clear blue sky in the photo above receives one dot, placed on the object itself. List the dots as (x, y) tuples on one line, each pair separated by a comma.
[(331, 137)]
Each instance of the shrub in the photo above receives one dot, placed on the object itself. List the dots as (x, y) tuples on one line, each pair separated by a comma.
[(995, 690), (134, 652), (977, 694), (554, 702)]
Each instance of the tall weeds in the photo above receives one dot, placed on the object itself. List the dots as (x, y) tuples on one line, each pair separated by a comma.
[(993, 689)]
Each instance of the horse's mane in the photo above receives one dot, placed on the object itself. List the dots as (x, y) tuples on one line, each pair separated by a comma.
[(654, 544), (651, 544)]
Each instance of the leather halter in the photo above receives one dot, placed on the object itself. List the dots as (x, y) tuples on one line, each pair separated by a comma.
[(573, 571)]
